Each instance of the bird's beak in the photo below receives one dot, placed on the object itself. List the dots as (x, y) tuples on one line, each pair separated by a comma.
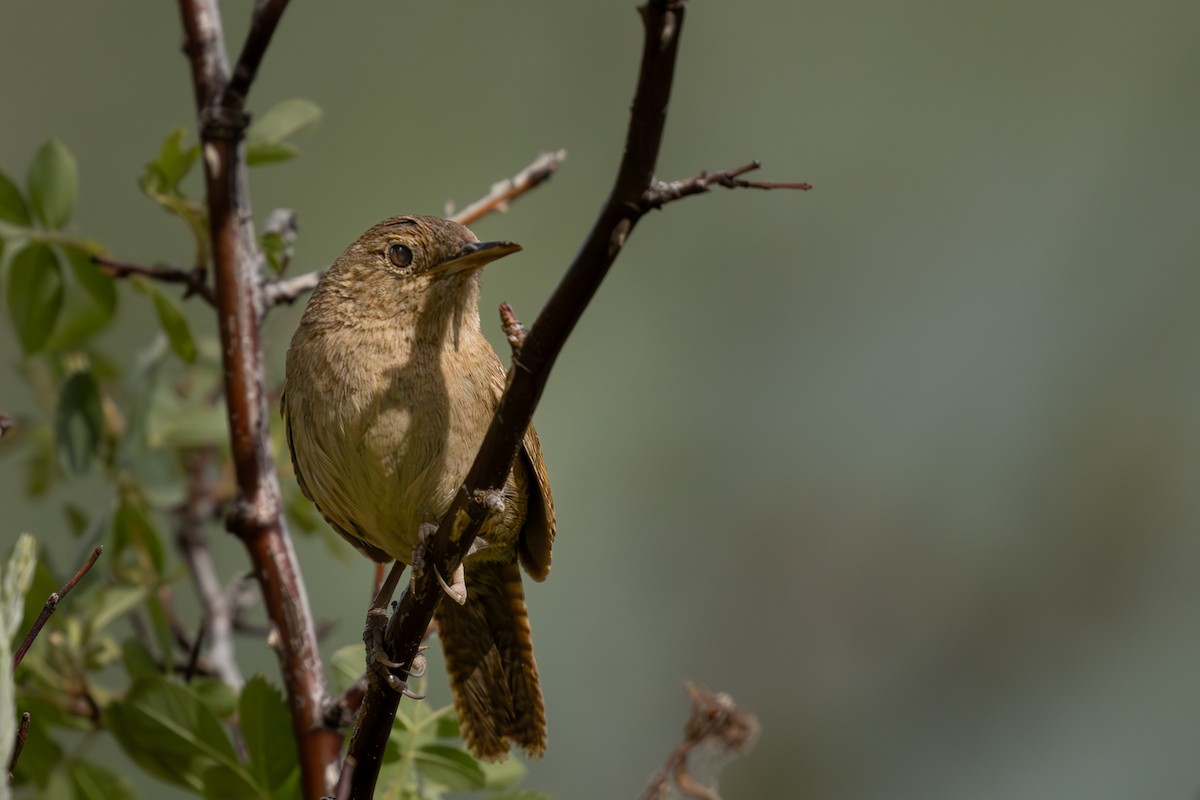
[(473, 256)]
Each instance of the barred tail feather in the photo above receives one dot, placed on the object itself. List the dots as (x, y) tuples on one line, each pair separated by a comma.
[(489, 657)]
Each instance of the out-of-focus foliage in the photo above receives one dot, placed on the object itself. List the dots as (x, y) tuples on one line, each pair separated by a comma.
[(117, 661)]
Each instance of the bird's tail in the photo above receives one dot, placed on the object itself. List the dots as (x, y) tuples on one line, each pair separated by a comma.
[(489, 657)]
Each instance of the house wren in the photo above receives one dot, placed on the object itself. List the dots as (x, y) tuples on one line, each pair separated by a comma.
[(390, 387)]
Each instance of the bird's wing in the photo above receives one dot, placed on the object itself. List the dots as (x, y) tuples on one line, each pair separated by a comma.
[(538, 536)]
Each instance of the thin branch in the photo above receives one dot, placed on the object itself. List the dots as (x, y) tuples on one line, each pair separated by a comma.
[(52, 603), (6, 424), (663, 21), (288, 291), (193, 660), (505, 191), (193, 279), (256, 516), (716, 731), (262, 28), (662, 192), (19, 745), (199, 507)]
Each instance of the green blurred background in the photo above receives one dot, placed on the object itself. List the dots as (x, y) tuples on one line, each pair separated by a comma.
[(907, 465)]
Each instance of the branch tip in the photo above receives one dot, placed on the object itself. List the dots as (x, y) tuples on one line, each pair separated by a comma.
[(51, 604), (514, 331), (662, 192), (19, 745), (502, 193), (716, 731)]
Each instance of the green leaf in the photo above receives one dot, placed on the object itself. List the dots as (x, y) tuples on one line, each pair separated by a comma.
[(57, 787), (267, 732), (269, 152), (283, 120), (346, 665), (170, 733), (12, 205), (446, 726), (162, 629), (94, 782), (502, 774), (35, 293), (173, 323), (164, 174), (221, 782), (89, 301), (139, 661), (79, 421), (520, 794), (132, 530), (220, 697), (450, 766), (266, 139), (109, 603), (53, 183)]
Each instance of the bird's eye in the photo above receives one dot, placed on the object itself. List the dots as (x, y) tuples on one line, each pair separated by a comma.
[(400, 256)]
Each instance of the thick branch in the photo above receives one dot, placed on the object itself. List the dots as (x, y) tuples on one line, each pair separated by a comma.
[(663, 22), (257, 514), (193, 279), (51, 604)]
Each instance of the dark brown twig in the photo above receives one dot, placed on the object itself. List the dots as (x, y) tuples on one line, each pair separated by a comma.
[(716, 731), (505, 191), (262, 29), (193, 279), (52, 603), (514, 331), (256, 517), (19, 745), (6, 424), (662, 192)]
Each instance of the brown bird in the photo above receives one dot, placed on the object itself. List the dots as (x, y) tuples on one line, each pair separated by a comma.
[(390, 386)]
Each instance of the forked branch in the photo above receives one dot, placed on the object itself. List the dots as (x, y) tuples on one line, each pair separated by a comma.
[(629, 200), (256, 517)]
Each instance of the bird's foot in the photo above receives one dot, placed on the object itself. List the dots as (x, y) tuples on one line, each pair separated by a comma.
[(456, 590), (424, 535), (383, 668)]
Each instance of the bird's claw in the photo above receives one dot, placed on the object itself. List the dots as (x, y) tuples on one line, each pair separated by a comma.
[(382, 667), (456, 591)]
